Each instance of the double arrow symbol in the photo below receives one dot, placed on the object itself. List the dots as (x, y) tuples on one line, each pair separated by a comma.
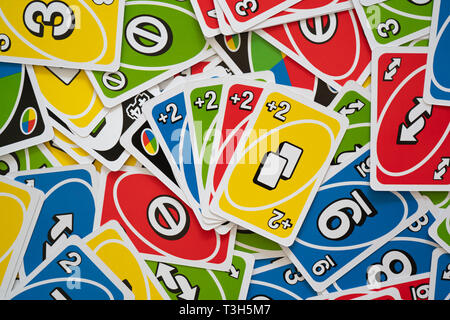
[(392, 69), (352, 108), (414, 122), (441, 169), (176, 283)]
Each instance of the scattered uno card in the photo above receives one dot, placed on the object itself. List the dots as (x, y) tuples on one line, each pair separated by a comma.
[(188, 283), (159, 224), (24, 120), (72, 272), (51, 34), (437, 80), (394, 22), (20, 209), (440, 231), (68, 208), (271, 184), (440, 275), (410, 139), (160, 39), (206, 16), (309, 42), (111, 244), (332, 240)]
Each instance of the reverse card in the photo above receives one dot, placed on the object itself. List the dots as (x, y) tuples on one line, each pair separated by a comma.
[(160, 39), (159, 224), (51, 33), (72, 272), (188, 283), (409, 138), (24, 120), (348, 221), (437, 80), (309, 43), (440, 275), (21, 206), (271, 183)]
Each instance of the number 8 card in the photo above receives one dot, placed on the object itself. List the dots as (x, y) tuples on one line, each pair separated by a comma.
[(282, 160), (52, 33)]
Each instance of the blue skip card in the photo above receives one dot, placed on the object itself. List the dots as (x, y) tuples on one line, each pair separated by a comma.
[(437, 81), (68, 208), (278, 280), (72, 272), (440, 275), (408, 254), (348, 221)]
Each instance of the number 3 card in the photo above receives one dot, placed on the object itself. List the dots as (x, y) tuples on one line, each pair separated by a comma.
[(270, 186), (51, 33)]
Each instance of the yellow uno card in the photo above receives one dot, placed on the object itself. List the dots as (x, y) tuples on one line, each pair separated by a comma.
[(114, 248), (70, 96), (20, 207), (279, 164), (83, 34)]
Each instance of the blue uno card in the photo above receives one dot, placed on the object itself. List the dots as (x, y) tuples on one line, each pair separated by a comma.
[(278, 280), (437, 82), (68, 209), (348, 221), (440, 275), (168, 119), (408, 254), (72, 272)]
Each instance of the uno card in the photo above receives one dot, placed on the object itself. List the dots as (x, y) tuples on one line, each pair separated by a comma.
[(437, 79), (248, 52), (306, 9), (407, 254), (279, 280), (167, 115), (140, 142), (188, 283), (51, 33), (24, 120), (20, 209), (309, 43), (111, 244), (68, 208), (370, 2), (160, 39), (69, 95), (67, 151), (72, 272), (394, 22), (348, 221), (439, 199), (26, 159), (159, 224), (243, 14), (440, 275), (353, 101), (440, 231), (206, 16), (409, 138), (360, 294), (270, 185)]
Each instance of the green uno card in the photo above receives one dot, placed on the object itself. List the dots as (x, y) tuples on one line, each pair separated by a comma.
[(160, 39), (353, 101), (189, 283), (395, 22), (34, 157), (259, 246), (440, 199), (439, 231)]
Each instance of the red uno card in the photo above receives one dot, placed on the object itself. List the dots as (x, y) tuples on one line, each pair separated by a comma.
[(332, 47), (160, 225), (410, 138)]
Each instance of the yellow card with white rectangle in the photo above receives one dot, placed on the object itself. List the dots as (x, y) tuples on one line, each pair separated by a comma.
[(18, 213), (114, 248), (278, 168), (84, 34)]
